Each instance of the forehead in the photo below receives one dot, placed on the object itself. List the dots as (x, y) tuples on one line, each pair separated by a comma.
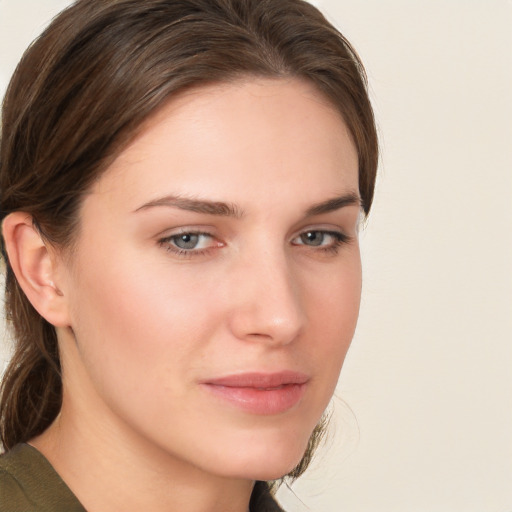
[(239, 137)]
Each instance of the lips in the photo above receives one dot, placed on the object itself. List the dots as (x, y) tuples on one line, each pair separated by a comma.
[(260, 393)]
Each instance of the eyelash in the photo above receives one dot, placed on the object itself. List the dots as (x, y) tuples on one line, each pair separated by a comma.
[(186, 253), (339, 239)]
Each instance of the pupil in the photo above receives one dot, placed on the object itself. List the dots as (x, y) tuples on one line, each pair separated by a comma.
[(187, 241), (313, 238)]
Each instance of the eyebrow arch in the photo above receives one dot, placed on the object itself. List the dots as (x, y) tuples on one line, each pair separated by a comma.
[(196, 205), (232, 210), (350, 199)]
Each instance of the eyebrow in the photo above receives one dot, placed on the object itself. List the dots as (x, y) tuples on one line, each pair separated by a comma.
[(331, 205), (196, 205), (223, 209)]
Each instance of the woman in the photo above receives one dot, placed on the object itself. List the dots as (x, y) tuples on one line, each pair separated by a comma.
[(182, 183)]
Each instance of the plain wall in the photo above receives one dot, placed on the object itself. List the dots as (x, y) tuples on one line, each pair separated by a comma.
[(428, 377)]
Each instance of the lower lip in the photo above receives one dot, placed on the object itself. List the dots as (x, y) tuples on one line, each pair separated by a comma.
[(260, 401)]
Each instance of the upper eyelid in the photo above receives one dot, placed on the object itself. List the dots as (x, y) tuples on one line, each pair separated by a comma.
[(334, 229), (183, 230)]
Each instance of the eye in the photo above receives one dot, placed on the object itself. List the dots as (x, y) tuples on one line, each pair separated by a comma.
[(324, 240), (189, 243), (313, 238), (187, 240)]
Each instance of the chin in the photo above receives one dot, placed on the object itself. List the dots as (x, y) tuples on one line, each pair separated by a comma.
[(272, 473), (269, 461), (274, 470)]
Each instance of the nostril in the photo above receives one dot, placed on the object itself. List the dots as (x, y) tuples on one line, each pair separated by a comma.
[(257, 325)]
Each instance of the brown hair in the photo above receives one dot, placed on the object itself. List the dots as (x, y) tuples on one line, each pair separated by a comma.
[(83, 89)]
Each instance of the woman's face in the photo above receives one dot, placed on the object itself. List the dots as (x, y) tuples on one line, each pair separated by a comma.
[(215, 284)]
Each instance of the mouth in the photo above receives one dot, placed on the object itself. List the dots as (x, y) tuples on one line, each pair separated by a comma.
[(260, 393)]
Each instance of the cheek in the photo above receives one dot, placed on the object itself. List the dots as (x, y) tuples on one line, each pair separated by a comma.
[(136, 324), (333, 308)]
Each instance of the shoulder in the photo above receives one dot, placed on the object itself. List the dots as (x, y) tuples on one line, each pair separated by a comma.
[(12, 492), (29, 483)]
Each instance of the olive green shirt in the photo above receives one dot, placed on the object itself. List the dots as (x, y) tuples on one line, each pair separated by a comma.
[(28, 483)]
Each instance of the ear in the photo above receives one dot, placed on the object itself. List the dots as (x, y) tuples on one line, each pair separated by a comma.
[(35, 266)]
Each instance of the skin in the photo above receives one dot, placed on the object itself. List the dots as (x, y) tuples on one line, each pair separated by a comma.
[(141, 325)]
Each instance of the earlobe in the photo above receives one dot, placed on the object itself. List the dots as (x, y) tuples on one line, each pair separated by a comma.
[(34, 265)]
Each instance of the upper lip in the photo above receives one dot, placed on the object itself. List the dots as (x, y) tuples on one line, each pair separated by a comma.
[(259, 379)]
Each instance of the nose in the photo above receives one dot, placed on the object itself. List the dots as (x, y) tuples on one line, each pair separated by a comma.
[(266, 303)]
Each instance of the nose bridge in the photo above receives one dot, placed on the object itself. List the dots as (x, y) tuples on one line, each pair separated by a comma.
[(267, 304)]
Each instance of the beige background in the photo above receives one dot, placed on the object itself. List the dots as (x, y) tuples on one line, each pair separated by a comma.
[(428, 378)]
